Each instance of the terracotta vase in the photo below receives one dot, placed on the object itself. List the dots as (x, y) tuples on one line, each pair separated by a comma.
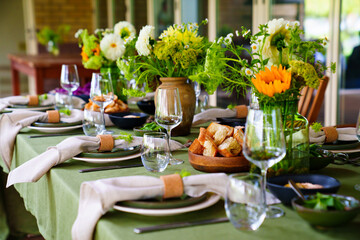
[(188, 102)]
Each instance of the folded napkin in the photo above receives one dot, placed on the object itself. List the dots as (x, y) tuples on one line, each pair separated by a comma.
[(97, 197), (23, 100), (341, 134), (213, 113), (34, 169), (12, 123)]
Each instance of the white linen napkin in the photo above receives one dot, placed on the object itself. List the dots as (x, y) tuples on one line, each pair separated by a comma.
[(212, 114), (13, 100), (344, 134), (34, 169), (12, 123), (97, 197)]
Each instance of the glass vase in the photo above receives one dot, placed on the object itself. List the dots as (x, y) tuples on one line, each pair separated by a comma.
[(296, 130), (118, 80)]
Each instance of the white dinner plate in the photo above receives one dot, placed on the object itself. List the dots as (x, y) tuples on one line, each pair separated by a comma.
[(30, 108), (55, 129), (107, 160), (211, 200)]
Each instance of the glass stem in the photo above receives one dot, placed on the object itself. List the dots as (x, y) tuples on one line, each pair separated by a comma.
[(263, 173), (102, 109), (169, 137), (70, 100)]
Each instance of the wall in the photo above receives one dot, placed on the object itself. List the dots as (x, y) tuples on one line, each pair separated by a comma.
[(12, 39)]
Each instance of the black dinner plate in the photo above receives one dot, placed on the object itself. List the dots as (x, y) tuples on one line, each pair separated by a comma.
[(159, 203), (233, 122), (116, 152), (341, 145), (59, 124)]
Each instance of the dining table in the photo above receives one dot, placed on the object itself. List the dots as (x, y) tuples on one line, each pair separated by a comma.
[(54, 200), (44, 67)]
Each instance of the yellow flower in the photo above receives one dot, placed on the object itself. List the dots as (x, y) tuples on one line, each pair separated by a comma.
[(270, 82)]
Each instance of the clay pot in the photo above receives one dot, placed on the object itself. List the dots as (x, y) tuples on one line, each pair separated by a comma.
[(188, 101)]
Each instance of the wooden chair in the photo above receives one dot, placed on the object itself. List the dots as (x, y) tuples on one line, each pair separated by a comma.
[(309, 105)]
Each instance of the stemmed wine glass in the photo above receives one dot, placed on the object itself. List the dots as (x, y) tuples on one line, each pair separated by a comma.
[(357, 186), (102, 94), (168, 114), (69, 80), (264, 145)]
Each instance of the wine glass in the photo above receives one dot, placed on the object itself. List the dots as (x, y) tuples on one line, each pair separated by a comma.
[(357, 186), (244, 201), (197, 89), (69, 80), (168, 114), (101, 93), (264, 145)]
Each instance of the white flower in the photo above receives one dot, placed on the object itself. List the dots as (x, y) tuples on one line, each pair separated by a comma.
[(269, 50), (142, 45), (243, 69), (112, 46), (220, 40), (98, 30), (206, 20), (246, 33), (191, 27), (259, 39), (228, 39), (248, 72), (186, 46), (78, 32), (237, 33), (296, 23), (254, 47), (124, 29)]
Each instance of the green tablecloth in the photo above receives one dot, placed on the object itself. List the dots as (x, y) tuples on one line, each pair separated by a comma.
[(54, 199)]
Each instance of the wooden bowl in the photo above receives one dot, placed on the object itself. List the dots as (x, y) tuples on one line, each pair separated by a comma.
[(219, 164)]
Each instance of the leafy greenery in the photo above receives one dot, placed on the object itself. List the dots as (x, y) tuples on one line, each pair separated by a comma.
[(151, 127), (231, 106), (46, 34), (65, 111), (133, 92), (184, 173), (42, 97), (316, 126), (125, 136), (324, 202)]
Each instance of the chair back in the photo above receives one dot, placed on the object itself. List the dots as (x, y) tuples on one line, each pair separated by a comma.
[(310, 104)]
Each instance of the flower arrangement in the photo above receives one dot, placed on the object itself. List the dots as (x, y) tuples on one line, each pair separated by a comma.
[(101, 50), (50, 38), (179, 52), (105, 46), (281, 65)]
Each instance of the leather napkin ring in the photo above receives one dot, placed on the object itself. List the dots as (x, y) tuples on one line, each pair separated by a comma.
[(241, 111), (33, 100), (53, 116), (331, 134), (106, 143), (173, 185)]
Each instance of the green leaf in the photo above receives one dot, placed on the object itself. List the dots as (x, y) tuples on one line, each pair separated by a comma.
[(65, 111), (316, 126), (125, 136)]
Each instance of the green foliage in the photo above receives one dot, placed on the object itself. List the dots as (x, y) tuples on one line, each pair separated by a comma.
[(324, 202), (133, 92), (231, 106), (46, 34), (65, 111), (151, 127), (125, 136), (316, 126), (42, 97)]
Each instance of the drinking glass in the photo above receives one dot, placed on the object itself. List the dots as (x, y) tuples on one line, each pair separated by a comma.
[(168, 114), (69, 80), (155, 151), (357, 186), (244, 201), (101, 93), (264, 145)]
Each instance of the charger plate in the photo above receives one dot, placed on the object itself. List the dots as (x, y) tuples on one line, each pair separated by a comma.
[(209, 201), (59, 124)]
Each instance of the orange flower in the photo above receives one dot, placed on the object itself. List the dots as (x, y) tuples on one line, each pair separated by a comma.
[(83, 54), (269, 82), (96, 50)]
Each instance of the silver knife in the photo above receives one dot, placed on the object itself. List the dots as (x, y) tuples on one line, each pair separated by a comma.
[(179, 225), (109, 168)]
